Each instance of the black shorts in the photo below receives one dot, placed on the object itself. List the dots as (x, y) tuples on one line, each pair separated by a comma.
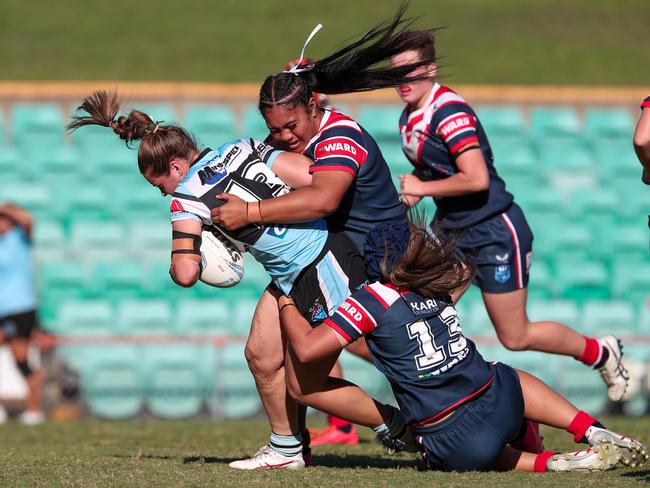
[(323, 285), (18, 325)]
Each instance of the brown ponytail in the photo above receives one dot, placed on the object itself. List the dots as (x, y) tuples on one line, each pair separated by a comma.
[(160, 143)]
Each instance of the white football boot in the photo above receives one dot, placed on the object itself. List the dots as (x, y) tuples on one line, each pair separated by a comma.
[(598, 458), (613, 372), (31, 418), (267, 458), (633, 453)]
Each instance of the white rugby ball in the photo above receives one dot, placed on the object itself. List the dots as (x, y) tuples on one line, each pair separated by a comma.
[(223, 264)]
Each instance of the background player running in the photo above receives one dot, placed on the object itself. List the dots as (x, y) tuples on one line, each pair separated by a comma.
[(447, 145), (464, 410)]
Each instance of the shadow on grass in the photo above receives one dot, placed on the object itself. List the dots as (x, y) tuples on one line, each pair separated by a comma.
[(643, 476)]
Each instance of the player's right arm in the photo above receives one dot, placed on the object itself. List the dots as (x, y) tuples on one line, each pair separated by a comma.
[(293, 169), (642, 140), (185, 268)]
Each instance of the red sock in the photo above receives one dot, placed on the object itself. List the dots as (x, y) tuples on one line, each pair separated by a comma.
[(540, 461), (579, 425), (338, 423), (592, 352)]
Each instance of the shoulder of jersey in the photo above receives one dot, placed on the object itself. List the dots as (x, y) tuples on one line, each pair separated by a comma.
[(446, 96), (338, 120)]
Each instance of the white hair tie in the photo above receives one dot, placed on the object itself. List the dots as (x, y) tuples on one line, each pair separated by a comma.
[(296, 68)]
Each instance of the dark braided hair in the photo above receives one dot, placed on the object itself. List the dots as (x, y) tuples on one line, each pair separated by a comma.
[(350, 69), (160, 143)]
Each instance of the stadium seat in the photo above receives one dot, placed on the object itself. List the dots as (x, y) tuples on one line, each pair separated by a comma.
[(37, 127), (204, 317), (365, 375), (564, 240), (212, 125), (631, 282), (49, 241), (111, 382), (514, 157), (241, 313), (594, 206), (159, 112), (608, 317), (541, 285), (608, 123), (98, 241), (173, 380), (581, 385), (35, 197), (563, 311), (160, 285), (539, 364), (253, 124), (59, 282), (138, 200), (75, 203), (12, 167), (236, 395), (554, 121), (86, 317), (118, 280), (581, 280), (635, 207), (502, 120), (150, 240), (543, 200), (381, 121), (60, 166), (623, 243), (476, 322), (111, 165), (144, 316)]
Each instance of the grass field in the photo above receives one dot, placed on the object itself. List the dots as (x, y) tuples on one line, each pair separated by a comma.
[(593, 42), (195, 453)]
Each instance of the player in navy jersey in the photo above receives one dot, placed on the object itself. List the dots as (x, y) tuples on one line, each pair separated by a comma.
[(319, 269), (642, 140), (349, 182), (465, 413), (453, 163)]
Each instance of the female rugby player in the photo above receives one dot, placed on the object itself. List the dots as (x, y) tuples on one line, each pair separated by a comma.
[(466, 413), (447, 145)]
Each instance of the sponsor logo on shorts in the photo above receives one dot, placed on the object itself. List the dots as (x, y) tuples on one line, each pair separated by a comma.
[(278, 231), (502, 273)]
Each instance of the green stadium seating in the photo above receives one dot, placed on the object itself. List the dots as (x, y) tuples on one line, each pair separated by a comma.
[(541, 285), (76, 203), (111, 382), (173, 380), (581, 385), (86, 317), (144, 316), (565, 241), (595, 205), (607, 317), (98, 241), (624, 243), (554, 121), (205, 317), (542, 200), (138, 200), (35, 197), (159, 284), (514, 157), (539, 364), (150, 240), (37, 127), (503, 121), (631, 281), (563, 311), (236, 395), (608, 123), (381, 121), (476, 322), (12, 167), (49, 241), (159, 112), (581, 280), (241, 313), (62, 165), (365, 375), (212, 125), (634, 209), (118, 280), (58, 282), (253, 124)]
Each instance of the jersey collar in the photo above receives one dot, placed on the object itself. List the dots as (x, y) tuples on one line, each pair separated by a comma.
[(200, 156), (428, 102)]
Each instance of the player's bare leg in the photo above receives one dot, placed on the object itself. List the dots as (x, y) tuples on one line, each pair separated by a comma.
[(507, 312), (33, 413)]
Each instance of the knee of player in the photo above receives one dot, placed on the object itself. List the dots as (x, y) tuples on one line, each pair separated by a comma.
[(260, 365), (517, 341)]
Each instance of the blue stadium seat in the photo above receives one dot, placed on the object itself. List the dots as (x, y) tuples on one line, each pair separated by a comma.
[(503, 120), (144, 316), (173, 379), (86, 317), (381, 121), (212, 125)]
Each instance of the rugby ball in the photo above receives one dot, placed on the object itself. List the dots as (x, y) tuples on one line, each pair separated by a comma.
[(222, 262)]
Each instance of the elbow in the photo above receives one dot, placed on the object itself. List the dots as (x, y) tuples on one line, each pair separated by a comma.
[(641, 142), (305, 353), (326, 207), (184, 276), (481, 184)]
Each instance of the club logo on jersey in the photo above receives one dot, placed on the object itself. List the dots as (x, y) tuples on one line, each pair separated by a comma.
[(502, 273), (317, 312), (176, 206), (502, 258), (278, 231), (341, 147)]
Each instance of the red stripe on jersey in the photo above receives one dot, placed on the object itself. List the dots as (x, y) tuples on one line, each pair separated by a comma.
[(452, 125), (333, 325), (441, 91), (462, 143), (356, 315), (377, 296), (341, 146), (335, 118), (176, 206), (313, 169), (457, 404)]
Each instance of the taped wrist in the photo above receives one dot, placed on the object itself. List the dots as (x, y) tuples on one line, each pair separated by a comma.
[(196, 243)]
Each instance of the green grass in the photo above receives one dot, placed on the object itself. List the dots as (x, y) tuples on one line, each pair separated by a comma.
[(591, 42), (195, 453)]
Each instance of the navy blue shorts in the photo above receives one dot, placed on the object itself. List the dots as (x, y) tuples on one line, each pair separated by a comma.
[(474, 436), (502, 248)]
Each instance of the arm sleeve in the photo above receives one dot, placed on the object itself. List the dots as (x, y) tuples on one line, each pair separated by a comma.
[(340, 149), (456, 126), (357, 316), (646, 102), (188, 207), (266, 152)]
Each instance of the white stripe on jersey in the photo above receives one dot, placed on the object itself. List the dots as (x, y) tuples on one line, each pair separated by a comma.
[(515, 238), (388, 295), (448, 97), (330, 299), (459, 131)]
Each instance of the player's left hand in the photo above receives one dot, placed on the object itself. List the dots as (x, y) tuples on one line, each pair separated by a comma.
[(411, 185), (232, 214)]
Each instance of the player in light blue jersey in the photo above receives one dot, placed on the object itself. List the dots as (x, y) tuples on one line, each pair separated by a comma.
[(318, 269)]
